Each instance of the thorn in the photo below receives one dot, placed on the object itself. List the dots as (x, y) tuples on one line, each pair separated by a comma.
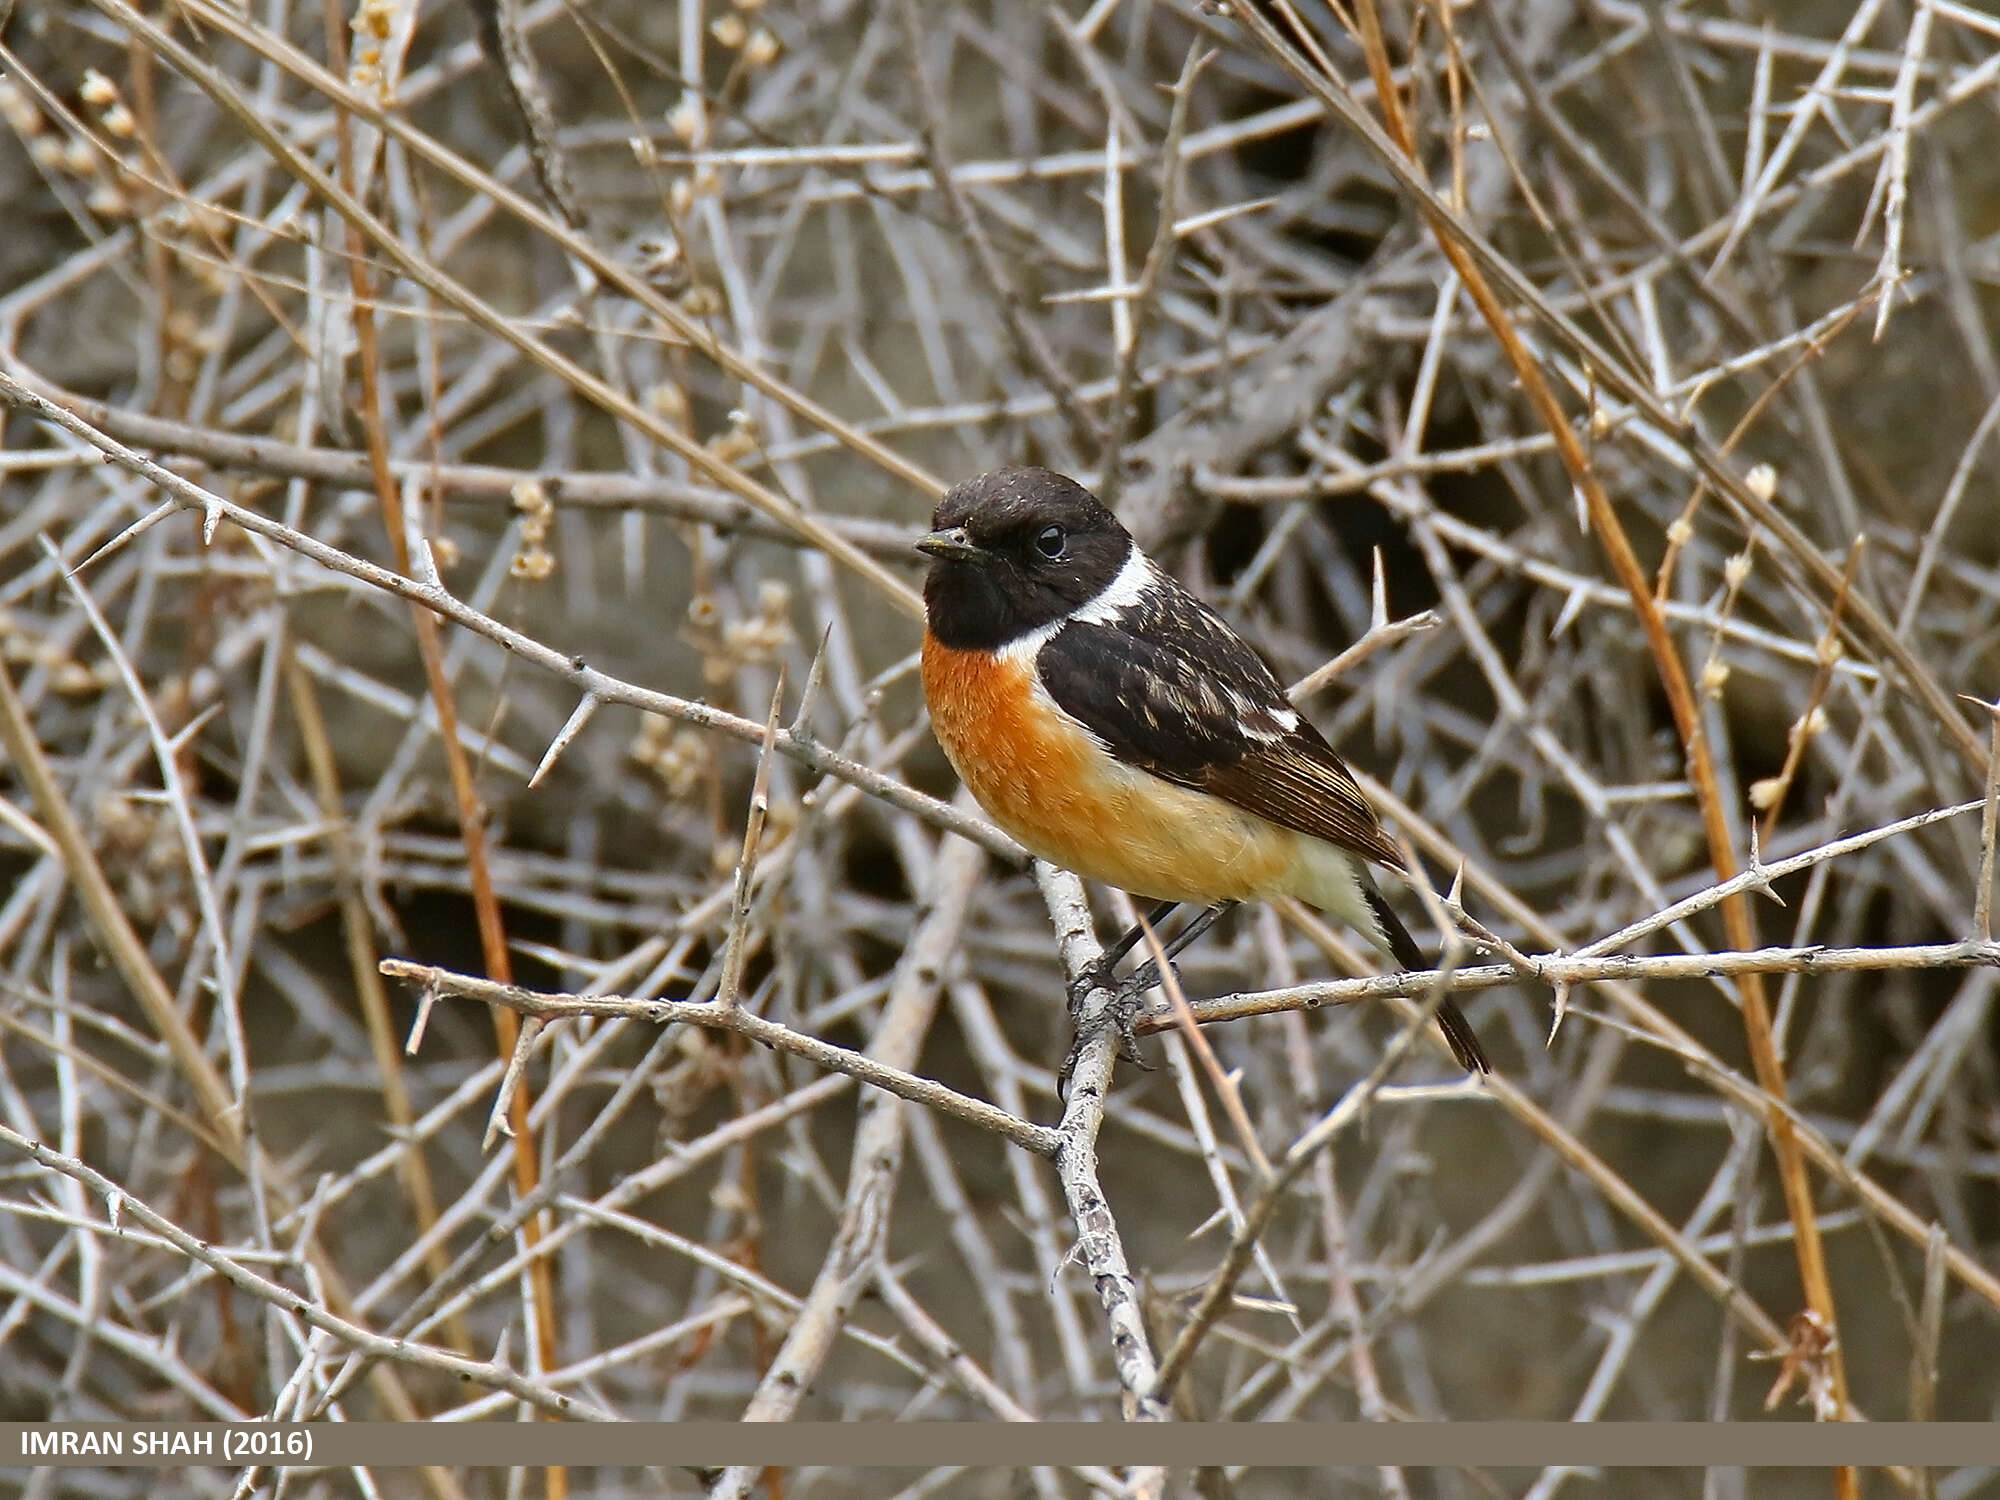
[(497, 1124), (1561, 1011), (1378, 604), (1763, 884), (815, 674), (193, 727), (1220, 1215), (424, 1003), (424, 563), (211, 513), (569, 731), (1074, 1253), (1992, 708), (139, 527), (1453, 897), (1572, 607)]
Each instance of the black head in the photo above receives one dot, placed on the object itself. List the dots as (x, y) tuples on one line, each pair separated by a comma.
[(1013, 551)]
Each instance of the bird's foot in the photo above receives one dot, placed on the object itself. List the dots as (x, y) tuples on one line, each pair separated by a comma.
[(1099, 976), (1121, 1010)]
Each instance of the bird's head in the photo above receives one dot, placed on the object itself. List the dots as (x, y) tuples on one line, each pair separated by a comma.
[(1014, 551)]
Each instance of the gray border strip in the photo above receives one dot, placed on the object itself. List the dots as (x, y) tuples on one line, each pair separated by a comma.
[(993, 1444)]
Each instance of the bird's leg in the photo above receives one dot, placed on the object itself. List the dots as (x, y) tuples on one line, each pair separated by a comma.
[(1147, 974), (1127, 994), (1123, 1009), (1100, 975)]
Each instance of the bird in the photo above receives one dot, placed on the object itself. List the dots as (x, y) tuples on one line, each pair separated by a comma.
[(1116, 726)]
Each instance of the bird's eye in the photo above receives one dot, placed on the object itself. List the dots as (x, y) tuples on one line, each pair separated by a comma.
[(1051, 543)]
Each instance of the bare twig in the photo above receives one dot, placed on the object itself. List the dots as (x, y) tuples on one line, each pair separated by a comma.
[(1098, 1245), (884, 1075)]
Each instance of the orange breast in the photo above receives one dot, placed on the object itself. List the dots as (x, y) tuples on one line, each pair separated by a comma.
[(1046, 781), (1027, 765)]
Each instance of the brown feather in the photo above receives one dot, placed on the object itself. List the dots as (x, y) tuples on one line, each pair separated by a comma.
[(1299, 783)]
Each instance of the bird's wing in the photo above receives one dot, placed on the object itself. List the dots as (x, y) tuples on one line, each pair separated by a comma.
[(1167, 686)]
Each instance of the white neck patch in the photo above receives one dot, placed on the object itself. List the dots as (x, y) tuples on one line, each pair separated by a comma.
[(1122, 592)]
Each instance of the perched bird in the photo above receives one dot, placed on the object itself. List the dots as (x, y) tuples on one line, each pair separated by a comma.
[(1114, 725)]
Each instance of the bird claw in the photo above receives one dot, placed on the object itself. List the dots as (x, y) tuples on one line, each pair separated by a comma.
[(1126, 1005), (1097, 976)]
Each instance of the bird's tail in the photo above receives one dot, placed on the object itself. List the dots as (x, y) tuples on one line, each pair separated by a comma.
[(1403, 948)]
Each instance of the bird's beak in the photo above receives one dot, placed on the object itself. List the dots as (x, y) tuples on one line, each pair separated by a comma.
[(953, 542)]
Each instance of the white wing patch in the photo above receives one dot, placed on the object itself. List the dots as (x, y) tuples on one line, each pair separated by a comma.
[(1270, 727), (1260, 720)]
